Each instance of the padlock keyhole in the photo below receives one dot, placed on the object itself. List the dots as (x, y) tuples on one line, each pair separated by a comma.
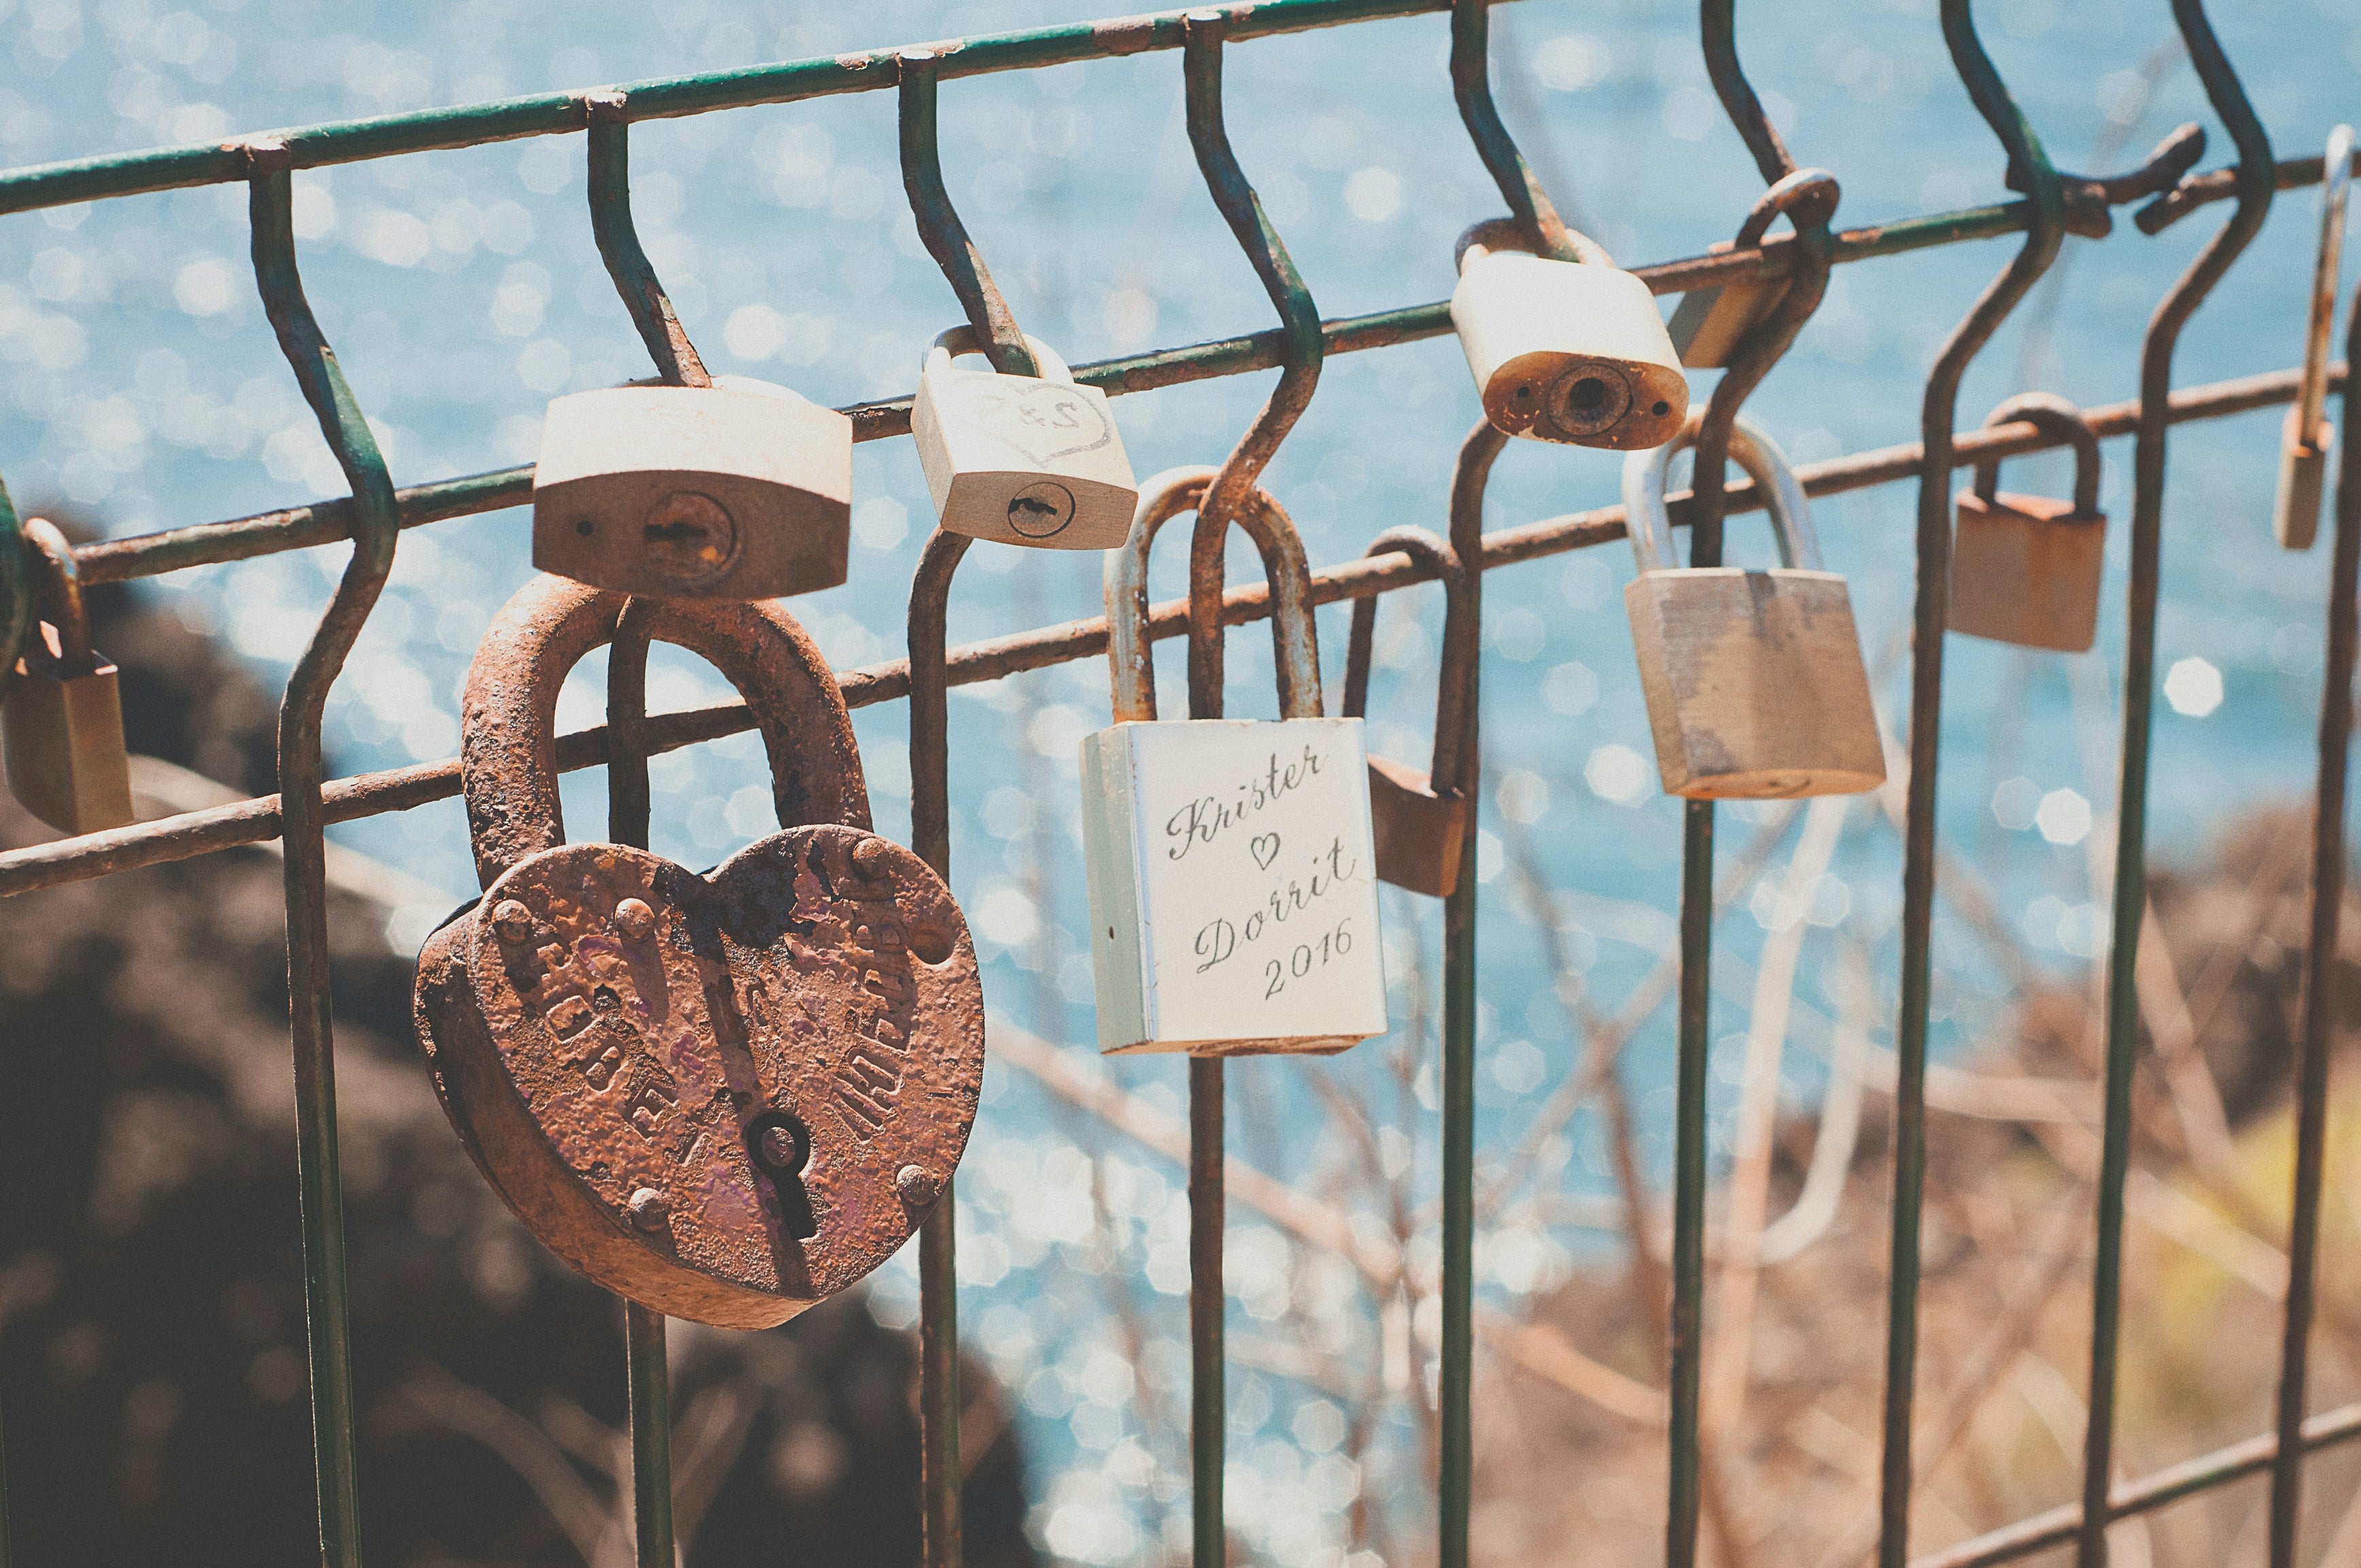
[(1586, 398), (780, 1147)]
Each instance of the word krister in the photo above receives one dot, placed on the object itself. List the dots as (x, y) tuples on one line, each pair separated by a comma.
[(1202, 821), (1218, 937)]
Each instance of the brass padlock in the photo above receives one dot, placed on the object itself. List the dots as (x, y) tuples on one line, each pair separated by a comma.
[(1755, 680), (1565, 351), (1232, 875), (2306, 439), (1420, 819), (739, 490), (2025, 569), (1710, 322), (62, 721), (1020, 459), (724, 1096)]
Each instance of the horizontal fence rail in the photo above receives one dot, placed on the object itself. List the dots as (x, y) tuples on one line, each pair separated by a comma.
[(2052, 205)]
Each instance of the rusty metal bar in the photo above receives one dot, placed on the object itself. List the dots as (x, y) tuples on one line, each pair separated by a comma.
[(256, 821), (931, 835), (376, 528), (2254, 187), (945, 237), (618, 237), (2319, 989), (2043, 238)]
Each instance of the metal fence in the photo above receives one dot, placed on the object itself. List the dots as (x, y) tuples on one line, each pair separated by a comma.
[(2053, 203)]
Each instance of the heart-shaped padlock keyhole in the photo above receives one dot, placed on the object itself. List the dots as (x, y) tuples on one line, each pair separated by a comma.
[(727, 1095)]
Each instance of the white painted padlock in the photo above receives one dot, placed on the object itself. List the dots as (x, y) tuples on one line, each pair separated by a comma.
[(1020, 459), (1566, 351), (1233, 873)]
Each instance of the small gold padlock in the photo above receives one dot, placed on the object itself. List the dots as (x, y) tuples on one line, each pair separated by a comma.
[(61, 721), (1021, 459), (738, 490), (1755, 680), (2025, 569), (2306, 439), (1565, 351), (1420, 818), (1710, 322)]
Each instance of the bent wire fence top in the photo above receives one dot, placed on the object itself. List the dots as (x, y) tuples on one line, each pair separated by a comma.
[(1806, 254)]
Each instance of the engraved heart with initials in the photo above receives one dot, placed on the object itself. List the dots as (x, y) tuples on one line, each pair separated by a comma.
[(1041, 421), (724, 1096)]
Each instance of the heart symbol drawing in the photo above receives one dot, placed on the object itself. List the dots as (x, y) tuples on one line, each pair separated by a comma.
[(1265, 850), (1043, 421)]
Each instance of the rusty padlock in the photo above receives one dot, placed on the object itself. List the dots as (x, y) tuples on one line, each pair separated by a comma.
[(736, 490), (2306, 439), (1232, 875), (61, 721), (1755, 680), (1709, 323), (724, 1096), (1020, 459), (2025, 569), (1419, 820), (1565, 351)]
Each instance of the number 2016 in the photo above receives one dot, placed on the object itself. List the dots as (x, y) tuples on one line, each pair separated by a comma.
[(1307, 957)]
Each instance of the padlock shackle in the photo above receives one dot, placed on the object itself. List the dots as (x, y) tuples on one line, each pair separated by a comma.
[(1649, 521), (960, 341), (946, 238), (2336, 189), (56, 593), (1455, 678), (1131, 659), (1534, 224), (507, 744), (608, 128), (2052, 415)]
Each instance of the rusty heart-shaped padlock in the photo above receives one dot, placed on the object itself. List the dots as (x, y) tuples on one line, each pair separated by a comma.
[(725, 1096)]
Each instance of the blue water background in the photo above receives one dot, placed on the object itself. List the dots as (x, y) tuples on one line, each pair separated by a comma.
[(461, 291)]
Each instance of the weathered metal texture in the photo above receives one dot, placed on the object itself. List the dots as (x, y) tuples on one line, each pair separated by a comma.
[(610, 183), (1538, 226), (2025, 569), (946, 238), (2045, 235), (1463, 628), (942, 1544), (619, 1042), (1227, 497), (60, 712), (1418, 817), (2328, 873), (2255, 180), (2305, 444), (256, 820)]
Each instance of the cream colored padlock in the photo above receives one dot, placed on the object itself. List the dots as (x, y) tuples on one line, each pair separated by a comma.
[(1755, 680), (1020, 459), (61, 722), (1233, 873), (2025, 569), (738, 490), (1565, 351), (2306, 439)]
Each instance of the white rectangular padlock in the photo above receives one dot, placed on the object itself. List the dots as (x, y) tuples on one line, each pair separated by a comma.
[(1233, 871), (1020, 459)]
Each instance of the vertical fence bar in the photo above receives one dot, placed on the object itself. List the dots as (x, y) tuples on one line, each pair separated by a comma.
[(1688, 1153), (930, 836), (1225, 495), (1457, 770), (609, 184), (2043, 233), (2319, 976), (2254, 183), (15, 619), (304, 825)]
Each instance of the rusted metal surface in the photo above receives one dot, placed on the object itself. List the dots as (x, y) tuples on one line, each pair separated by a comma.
[(945, 237), (2026, 569), (609, 184), (699, 1091), (1533, 214), (188, 834), (61, 708), (1418, 817)]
